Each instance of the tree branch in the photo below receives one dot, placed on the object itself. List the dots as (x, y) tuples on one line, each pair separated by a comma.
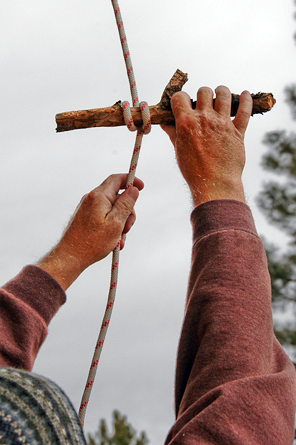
[(160, 113)]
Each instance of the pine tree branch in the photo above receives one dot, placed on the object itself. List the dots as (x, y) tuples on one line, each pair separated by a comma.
[(160, 113)]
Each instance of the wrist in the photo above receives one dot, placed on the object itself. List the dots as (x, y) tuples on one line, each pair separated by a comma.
[(62, 266), (209, 192)]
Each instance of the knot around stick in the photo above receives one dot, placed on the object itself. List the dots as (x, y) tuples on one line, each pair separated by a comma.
[(128, 117)]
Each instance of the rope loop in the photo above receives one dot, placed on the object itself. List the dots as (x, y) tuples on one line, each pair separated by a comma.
[(146, 117), (128, 118)]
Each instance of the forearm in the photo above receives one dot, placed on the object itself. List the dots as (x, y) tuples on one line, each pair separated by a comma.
[(27, 304), (228, 321), (230, 366)]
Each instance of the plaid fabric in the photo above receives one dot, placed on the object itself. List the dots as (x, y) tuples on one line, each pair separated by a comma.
[(35, 411)]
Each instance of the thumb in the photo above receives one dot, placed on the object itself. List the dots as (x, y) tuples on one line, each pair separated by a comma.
[(124, 204)]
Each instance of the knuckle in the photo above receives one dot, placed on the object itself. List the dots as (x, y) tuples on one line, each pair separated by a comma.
[(113, 177), (83, 199), (90, 198), (89, 205)]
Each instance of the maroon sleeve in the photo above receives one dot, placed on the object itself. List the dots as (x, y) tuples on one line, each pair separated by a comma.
[(27, 304), (234, 383)]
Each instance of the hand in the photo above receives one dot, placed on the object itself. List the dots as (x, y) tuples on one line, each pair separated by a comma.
[(209, 145), (101, 218)]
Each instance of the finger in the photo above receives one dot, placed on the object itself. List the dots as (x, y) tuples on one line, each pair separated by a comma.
[(223, 101), (111, 186), (204, 99), (118, 182), (129, 222), (138, 183), (180, 103), (124, 204), (244, 112), (122, 241)]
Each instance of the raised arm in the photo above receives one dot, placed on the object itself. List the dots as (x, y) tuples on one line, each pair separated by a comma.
[(30, 300), (234, 383)]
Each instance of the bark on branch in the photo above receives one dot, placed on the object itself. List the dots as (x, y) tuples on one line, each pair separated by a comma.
[(160, 113)]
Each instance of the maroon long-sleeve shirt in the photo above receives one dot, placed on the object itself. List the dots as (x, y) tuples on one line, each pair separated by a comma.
[(234, 382)]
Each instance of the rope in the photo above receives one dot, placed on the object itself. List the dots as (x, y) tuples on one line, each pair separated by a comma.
[(145, 129)]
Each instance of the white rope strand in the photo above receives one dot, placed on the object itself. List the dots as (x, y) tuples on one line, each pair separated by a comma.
[(145, 129), (126, 53), (102, 335)]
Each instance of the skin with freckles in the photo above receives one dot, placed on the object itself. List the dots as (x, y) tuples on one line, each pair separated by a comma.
[(101, 218), (209, 145)]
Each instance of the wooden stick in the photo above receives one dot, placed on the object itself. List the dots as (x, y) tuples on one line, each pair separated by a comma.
[(160, 113)]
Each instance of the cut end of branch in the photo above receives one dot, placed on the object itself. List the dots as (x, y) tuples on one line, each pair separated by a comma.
[(262, 102), (175, 84)]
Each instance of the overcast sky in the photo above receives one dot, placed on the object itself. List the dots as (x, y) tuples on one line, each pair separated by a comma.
[(62, 55)]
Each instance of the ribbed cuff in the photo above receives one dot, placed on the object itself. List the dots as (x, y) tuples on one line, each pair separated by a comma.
[(39, 290), (219, 215)]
